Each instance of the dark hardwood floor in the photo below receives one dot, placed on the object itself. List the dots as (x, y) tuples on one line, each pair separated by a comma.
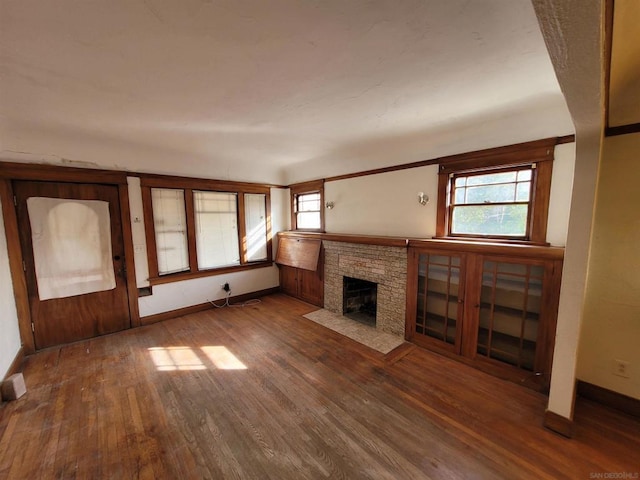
[(261, 392)]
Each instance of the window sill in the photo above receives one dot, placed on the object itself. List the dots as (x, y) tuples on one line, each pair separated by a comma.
[(500, 241), (181, 276)]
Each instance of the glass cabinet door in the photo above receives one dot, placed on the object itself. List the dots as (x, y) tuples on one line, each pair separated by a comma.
[(509, 316), (437, 309)]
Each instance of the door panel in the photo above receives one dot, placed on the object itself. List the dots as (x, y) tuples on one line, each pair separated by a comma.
[(74, 316)]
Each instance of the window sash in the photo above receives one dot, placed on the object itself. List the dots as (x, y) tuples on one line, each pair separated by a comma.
[(308, 211), (170, 226), (508, 216), (216, 222), (255, 216)]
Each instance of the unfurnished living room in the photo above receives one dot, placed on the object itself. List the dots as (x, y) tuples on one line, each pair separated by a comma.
[(303, 239)]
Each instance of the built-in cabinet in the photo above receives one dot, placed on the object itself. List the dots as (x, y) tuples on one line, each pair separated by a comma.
[(301, 264), (493, 306), (307, 285)]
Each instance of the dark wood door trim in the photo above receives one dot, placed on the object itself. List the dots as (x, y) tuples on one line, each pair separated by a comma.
[(130, 265), (18, 171), (19, 280), (69, 318)]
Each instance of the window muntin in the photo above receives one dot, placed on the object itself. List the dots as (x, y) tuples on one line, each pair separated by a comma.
[(491, 204), (170, 226), (307, 209), (216, 222), (255, 216)]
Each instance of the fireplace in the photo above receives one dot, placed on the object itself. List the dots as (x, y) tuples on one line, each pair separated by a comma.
[(360, 300), (384, 266)]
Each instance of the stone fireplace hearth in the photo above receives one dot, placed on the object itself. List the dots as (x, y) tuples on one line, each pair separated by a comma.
[(383, 265)]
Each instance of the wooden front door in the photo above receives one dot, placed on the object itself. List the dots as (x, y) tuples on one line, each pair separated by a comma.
[(81, 267)]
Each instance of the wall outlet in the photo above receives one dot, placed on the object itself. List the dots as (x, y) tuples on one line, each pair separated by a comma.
[(226, 287), (621, 368)]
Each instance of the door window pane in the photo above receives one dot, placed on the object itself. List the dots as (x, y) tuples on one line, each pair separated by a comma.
[(169, 221), (255, 217), (216, 219)]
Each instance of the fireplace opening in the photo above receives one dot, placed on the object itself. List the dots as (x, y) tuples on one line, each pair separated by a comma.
[(359, 300)]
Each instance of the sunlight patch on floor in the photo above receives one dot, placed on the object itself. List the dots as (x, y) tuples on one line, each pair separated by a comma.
[(223, 359), (167, 359)]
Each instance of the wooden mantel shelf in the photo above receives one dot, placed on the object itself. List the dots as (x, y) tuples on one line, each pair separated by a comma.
[(348, 238), (488, 248)]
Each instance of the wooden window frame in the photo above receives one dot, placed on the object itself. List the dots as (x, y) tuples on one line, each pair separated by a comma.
[(539, 153), (316, 186), (188, 186)]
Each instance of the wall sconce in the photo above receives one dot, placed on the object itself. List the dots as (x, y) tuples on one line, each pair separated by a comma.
[(329, 205), (423, 198)]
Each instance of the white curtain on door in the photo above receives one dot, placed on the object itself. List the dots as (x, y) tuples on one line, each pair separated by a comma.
[(71, 246)]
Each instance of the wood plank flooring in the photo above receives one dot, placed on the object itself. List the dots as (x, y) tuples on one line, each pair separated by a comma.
[(262, 393)]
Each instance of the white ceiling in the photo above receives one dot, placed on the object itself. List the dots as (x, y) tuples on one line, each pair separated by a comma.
[(275, 91)]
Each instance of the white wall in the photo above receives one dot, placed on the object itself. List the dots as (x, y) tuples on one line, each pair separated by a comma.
[(9, 331), (561, 187), (387, 203), (175, 295), (138, 233)]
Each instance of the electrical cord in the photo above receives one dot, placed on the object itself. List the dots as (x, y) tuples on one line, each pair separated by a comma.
[(253, 301)]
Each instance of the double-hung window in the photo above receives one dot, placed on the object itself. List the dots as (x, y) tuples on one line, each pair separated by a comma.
[(499, 194), (306, 206), (492, 204), (205, 227)]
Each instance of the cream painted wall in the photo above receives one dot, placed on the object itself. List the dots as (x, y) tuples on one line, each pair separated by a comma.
[(9, 332), (611, 319), (172, 296), (384, 204), (387, 203), (560, 201)]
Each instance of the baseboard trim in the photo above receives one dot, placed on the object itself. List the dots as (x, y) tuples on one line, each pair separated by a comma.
[(558, 423), (159, 317), (609, 398), (16, 365)]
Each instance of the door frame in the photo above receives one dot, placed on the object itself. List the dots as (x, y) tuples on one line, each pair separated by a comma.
[(49, 173)]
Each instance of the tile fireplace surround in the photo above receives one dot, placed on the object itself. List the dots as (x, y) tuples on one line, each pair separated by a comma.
[(384, 265)]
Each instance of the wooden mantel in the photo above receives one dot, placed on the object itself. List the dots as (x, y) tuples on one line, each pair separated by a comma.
[(487, 248), (349, 238)]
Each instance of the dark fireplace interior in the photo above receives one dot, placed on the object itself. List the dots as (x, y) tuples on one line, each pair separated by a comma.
[(359, 300)]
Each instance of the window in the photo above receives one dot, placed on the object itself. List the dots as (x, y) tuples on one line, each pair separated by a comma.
[(491, 204), (255, 214), (498, 194), (216, 217), (306, 206), (308, 211), (204, 228), (170, 226)]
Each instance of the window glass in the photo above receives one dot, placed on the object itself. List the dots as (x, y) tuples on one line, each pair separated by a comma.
[(216, 222), (499, 220), (308, 211), (255, 215), (169, 221), (491, 204)]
